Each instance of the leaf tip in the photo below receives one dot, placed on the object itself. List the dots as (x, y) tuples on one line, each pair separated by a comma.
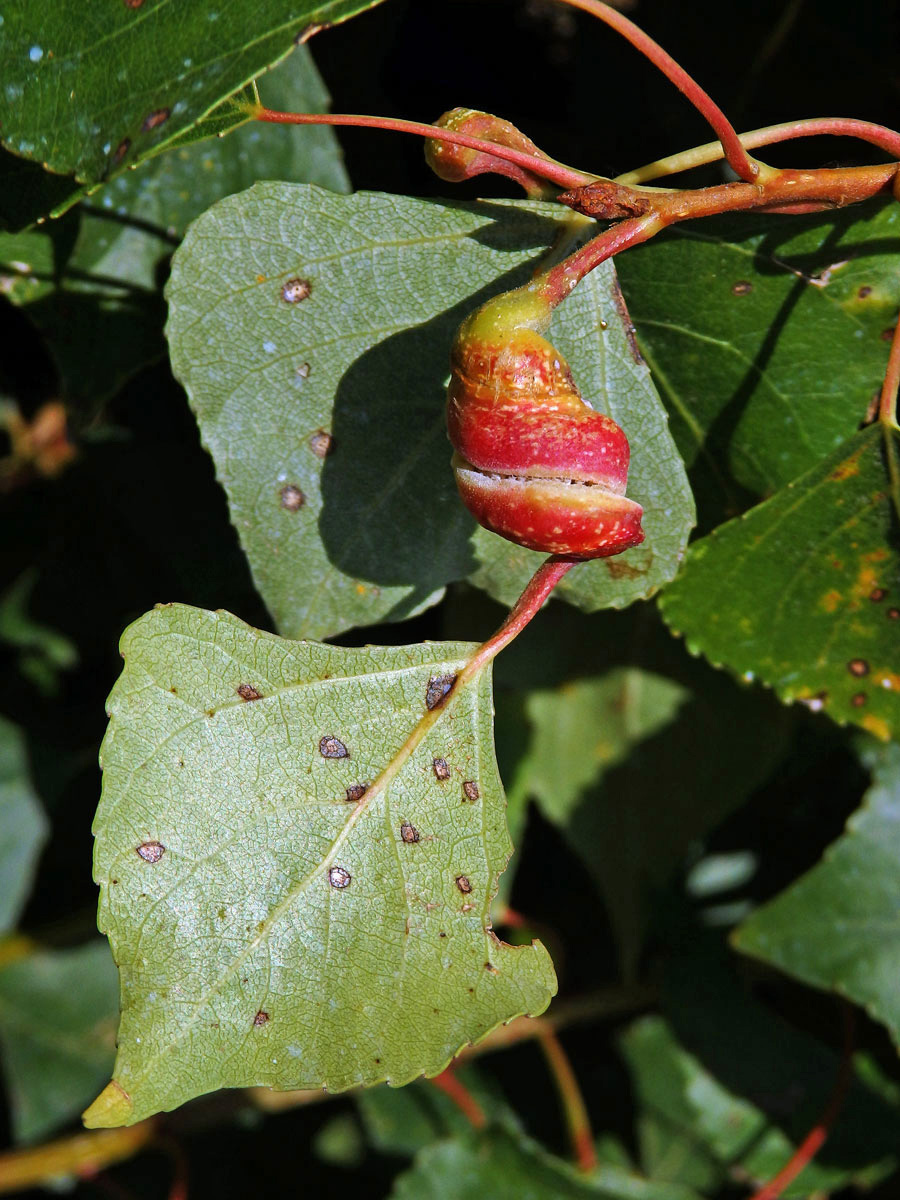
[(112, 1107)]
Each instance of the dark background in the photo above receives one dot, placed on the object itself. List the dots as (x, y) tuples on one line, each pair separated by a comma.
[(590, 100)]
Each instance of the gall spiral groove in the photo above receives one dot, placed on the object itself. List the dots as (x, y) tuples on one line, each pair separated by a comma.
[(534, 462)]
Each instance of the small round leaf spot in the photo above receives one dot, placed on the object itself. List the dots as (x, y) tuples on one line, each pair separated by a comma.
[(877, 595), (864, 291), (291, 498), (151, 852), (158, 117), (743, 287), (470, 790), (247, 691), (858, 700), (439, 687), (332, 747), (464, 884), (261, 1018), (296, 290), (339, 877), (858, 667), (356, 791), (408, 832), (441, 768), (321, 443), (893, 614), (120, 151)]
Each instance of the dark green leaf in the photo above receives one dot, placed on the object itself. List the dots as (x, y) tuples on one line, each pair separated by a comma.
[(765, 335), (693, 1129), (505, 1165), (834, 927), (634, 768), (89, 92), (23, 827), (803, 591), (57, 1032), (266, 930)]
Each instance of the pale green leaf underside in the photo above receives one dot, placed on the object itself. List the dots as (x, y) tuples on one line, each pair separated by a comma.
[(241, 961), (376, 529)]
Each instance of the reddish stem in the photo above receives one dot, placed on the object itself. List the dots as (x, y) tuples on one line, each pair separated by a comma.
[(448, 1083), (545, 168), (526, 608), (575, 1109), (559, 281), (887, 408), (816, 1137), (738, 158)]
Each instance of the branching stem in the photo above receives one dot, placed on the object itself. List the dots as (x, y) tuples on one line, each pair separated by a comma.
[(738, 158), (876, 135), (546, 168)]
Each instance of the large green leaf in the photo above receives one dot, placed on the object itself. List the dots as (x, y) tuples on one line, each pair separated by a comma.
[(57, 1033), (374, 528), (23, 827), (89, 92), (765, 335), (504, 1164), (802, 592), (693, 1129), (834, 928), (90, 282), (298, 846)]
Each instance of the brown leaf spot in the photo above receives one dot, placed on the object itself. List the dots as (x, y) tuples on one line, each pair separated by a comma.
[(893, 614), (831, 601), (291, 497), (408, 832), (859, 699), (321, 443), (439, 688), (158, 117), (261, 1018), (858, 667), (332, 747), (616, 569), (470, 790), (151, 852), (133, 3), (339, 877), (441, 768), (490, 967), (864, 291), (741, 287), (877, 595), (463, 883), (295, 290), (247, 691), (887, 335), (121, 150), (356, 791), (303, 370)]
